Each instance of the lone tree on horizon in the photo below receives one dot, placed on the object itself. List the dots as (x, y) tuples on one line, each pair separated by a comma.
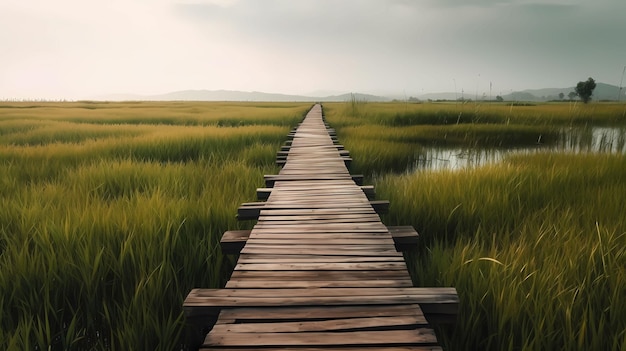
[(585, 89)]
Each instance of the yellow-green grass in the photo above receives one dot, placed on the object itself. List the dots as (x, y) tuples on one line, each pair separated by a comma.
[(105, 230), (167, 113), (447, 113), (535, 245), (105, 227), (394, 135)]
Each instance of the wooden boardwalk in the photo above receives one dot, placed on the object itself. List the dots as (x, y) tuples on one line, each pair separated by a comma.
[(319, 270)]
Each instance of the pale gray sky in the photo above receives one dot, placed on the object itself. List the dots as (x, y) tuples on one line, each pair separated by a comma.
[(83, 48)]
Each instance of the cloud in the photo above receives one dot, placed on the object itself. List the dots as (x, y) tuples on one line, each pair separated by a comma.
[(154, 46)]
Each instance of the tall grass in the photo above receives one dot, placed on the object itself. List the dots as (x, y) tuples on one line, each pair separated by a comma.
[(535, 244), (445, 113), (402, 132), (105, 228), (536, 248)]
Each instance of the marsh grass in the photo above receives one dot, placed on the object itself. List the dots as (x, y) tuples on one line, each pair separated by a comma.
[(446, 113), (535, 244), (403, 132), (105, 227), (226, 114), (536, 248)]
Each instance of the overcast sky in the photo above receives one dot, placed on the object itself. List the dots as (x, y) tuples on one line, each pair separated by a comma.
[(83, 48)]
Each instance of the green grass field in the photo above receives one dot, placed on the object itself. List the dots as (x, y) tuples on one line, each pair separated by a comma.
[(535, 245), (111, 212)]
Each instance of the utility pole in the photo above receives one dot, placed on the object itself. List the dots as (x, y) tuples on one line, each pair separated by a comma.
[(621, 82)]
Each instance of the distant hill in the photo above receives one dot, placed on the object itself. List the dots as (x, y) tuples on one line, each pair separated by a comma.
[(232, 95), (602, 92)]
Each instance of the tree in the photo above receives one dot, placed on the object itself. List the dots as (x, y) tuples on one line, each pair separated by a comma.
[(571, 95), (561, 96), (585, 89)]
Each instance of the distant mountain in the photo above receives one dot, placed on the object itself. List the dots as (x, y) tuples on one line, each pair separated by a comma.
[(440, 96), (601, 92), (232, 95), (355, 96)]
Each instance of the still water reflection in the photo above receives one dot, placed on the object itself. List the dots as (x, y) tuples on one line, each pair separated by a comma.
[(578, 140)]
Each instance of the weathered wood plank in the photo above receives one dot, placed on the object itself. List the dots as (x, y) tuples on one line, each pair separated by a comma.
[(422, 336), (324, 252), (271, 179), (330, 348), (344, 216), (303, 240), (368, 190), (345, 324), (290, 313), (418, 293), (404, 237), (329, 275), (334, 266), (291, 283), (315, 258)]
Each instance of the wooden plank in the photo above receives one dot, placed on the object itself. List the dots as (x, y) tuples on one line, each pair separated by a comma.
[(368, 190), (329, 348), (354, 324), (247, 213), (315, 258), (372, 226), (325, 252), (329, 275), (271, 179), (319, 293), (314, 212), (329, 230), (290, 283), (346, 202), (325, 186), (404, 237), (303, 240), (334, 266), (344, 216), (421, 336), (322, 247), (290, 313), (321, 236), (233, 241), (204, 301)]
